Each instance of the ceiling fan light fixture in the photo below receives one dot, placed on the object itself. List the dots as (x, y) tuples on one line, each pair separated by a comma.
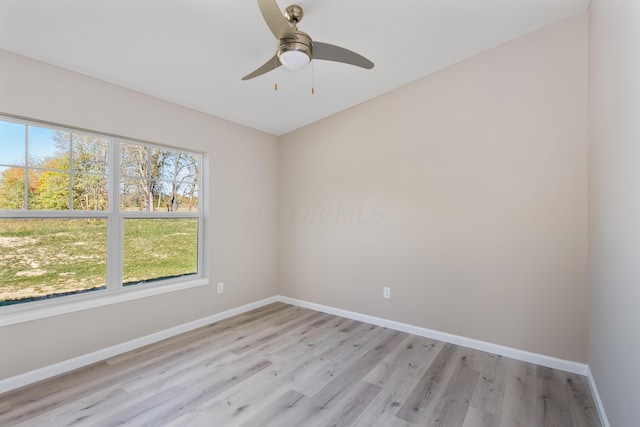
[(295, 53), (294, 59)]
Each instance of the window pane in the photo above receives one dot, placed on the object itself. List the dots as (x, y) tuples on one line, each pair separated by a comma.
[(11, 188), (174, 196), (44, 258), (189, 202), (134, 194), (48, 190), (90, 192), (161, 197), (12, 143), (134, 161), (158, 158), (180, 167), (166, 196), (48, 148), (156, 249), (90, 153)]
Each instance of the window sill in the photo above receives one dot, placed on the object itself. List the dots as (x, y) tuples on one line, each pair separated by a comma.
[(18, 314)]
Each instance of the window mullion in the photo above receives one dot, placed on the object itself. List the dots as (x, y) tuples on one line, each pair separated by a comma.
[(70, 201), (25, 204), (150, 201), (201, 173), (114, 222)]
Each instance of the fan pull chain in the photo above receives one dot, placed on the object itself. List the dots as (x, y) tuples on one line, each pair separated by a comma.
[(313, 78), (275, 80)]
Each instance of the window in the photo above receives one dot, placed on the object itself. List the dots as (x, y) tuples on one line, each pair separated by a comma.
[(82, 213)]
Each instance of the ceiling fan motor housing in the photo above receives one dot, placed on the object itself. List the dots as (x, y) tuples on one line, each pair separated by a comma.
[(291, 51)]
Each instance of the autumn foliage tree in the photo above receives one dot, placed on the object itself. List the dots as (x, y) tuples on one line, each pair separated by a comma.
[(12, 188)]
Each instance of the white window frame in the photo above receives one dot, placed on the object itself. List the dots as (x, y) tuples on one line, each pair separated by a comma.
[(115, 291)]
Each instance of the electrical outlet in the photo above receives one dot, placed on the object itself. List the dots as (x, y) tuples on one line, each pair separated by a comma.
[(220, 287), (386, 293)]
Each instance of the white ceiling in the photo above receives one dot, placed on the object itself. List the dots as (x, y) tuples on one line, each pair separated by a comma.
[(194, 52)]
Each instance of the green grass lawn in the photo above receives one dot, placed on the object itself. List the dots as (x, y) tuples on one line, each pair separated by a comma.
[(44, 258), (159, 248)]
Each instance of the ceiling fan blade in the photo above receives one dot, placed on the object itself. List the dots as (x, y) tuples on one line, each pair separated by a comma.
[(271, 64), (276, 21), (330, 52)]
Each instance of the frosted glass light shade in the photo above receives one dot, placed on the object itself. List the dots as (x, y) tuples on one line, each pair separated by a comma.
[(294, 59)]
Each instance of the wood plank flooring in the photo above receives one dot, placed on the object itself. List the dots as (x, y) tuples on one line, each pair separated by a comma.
[(286, 366)]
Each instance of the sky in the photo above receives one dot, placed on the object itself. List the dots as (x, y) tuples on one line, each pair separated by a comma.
[(13, 140)]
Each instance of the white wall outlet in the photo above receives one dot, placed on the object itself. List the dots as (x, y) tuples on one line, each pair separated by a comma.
[(220, 287), (386, 293)]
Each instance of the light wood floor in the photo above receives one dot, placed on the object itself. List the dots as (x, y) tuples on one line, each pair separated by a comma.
[(285, 366)]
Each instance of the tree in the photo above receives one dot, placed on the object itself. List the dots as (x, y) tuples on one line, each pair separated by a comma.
[(12, 188), (51, 191), (89, 156), (182, 169), (90, 192), (142, 168), (157, 179)]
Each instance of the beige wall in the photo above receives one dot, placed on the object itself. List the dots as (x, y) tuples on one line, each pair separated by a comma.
[(243, 177), (614, 84), (465, 192)]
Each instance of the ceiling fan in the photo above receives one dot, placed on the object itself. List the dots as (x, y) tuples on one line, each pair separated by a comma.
[(295, 48)]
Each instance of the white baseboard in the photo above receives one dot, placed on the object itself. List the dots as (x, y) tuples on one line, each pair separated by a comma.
[(30, 377), (596, 396), (525, 356)]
